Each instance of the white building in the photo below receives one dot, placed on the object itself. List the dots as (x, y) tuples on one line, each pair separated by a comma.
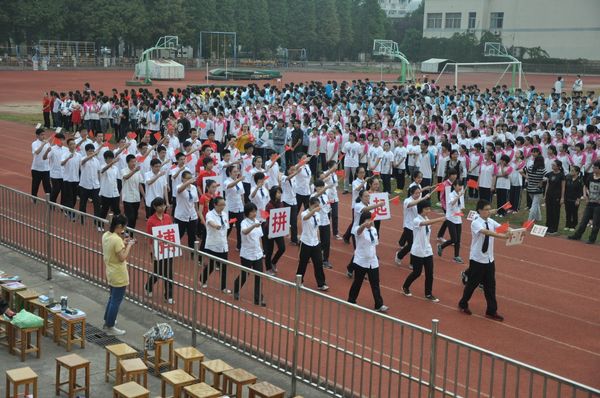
[(565, 29), (398, 8)]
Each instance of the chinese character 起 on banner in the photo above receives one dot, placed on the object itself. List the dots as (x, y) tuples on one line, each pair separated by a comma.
[(163, 250), (279, 222), (381, 213)]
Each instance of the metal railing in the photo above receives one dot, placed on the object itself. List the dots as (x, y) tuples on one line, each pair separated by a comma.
[(337, 347)]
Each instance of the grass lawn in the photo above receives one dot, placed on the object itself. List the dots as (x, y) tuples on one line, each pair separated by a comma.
[(24, 118)]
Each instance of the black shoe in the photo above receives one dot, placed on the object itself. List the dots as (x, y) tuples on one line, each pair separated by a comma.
[(262, 304), (465, 311), (590, 242), (236, 296), (495, 317), (572, 237)]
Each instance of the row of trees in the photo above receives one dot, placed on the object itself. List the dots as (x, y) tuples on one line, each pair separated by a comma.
[(328, 29)]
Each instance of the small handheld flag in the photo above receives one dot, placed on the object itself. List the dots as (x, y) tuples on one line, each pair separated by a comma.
[(340, 173), (157, 136), (202, 125), (506, 206), (131, 135), (395, 200), (439, 188), (108, 136), (528, 224), (288, 148), (472, 184), (232, 220), (248, 169), (459, 214), (264, 214), (502, 228), (373, 215)]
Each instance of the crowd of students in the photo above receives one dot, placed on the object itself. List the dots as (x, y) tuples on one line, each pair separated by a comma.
[(214, 155)]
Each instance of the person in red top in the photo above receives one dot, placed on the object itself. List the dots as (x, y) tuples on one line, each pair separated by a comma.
[(46, 109), (205, 153), (205, 206), (208, 172), (163, 268), (210, 141)]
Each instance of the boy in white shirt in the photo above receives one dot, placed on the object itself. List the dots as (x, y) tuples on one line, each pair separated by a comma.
[(310, 248), (156, 186)]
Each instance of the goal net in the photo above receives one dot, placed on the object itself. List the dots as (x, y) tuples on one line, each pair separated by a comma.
[(482, 74)]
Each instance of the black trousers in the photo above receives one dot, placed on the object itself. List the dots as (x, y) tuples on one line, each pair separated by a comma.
[(109, 203), (312, 164), (69, 193), (387, 182), (163, 269), (485, 274), (418, 264), (515, 197), (591, 212), (238, 227), (84, 195), (293, 221), (38, 177), (325, 236), (455, 232), (443, 227), (348, 232), (405, 242), (247, 191), (399, 175), (190, 227), (334, 217), (302, 200), (56, 188), (311, 253), (571, 212), (239, 282), (46, 119), (485, 193), (552, 213), (269, 245), (359, 277), (131, 212), (202, 234), (211, 267), (350, 266), (501, 199)]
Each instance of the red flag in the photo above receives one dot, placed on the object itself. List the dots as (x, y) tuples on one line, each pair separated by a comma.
[(439, 187), (528, 224), (502, 228), (173, 166), (157, 136), (131, 135), (106, 144), (202, 125), (302, 162), (395, 200), (275, 157), (373, 215), (264, 214), (376, 173), (340, 173), (188, 158), (140, 158), (108, 136), (177, 151), (506, 206), (248, 169), (57, 141), (232, 220), (288, 148), (341, 157), (266, 178), (459, 214), (91, 134), (148, 132), (472, 184)]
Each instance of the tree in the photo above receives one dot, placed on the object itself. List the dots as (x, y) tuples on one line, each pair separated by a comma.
[(344, 12), (278, 18), (303, 32), (328, 25), (370, 23), (261, 39)]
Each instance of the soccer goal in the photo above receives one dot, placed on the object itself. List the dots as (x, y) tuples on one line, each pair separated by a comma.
[(508, 72)]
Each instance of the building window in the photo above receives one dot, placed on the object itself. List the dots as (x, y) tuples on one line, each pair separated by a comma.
[(453, 20), (434, 20), (472, 19), (496, 20)]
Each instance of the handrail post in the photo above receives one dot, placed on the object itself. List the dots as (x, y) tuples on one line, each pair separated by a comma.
[(195, 259), (296, 334), (48, 240), (433, 357)]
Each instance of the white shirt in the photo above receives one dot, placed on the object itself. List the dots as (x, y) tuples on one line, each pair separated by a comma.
[(421, 246), (288, 187), (332, 192), (303, 181), (175, 181), (365, 254), (456, 208), (71, 168), (38, 163), (352, 152), (400, 154), (424, 165), (260, 200), (358, 208), (55, 157), (108, 182), (386, 164), (357, 186), (486, 174), (310, 227), (186, 208), (272, 173), (477, 239), (216, 239), (88, 178), (374, 154), (251, 249), (325, 209), (234, 196), (155, 190), (131, 187), (409, 213)]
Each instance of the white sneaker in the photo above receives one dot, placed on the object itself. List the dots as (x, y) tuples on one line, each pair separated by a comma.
[(170, 301), (323, 288), (383, 308), (147, 293), (397, 260), (114, 331)]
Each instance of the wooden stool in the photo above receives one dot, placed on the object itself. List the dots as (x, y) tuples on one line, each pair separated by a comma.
[(67, 335), (72, 363), (6, 330), (201, 390), (135, 368), (46, 314), (23, 298), (176, 378), (156, 361), (239, 378), (19, 341), (216, 367), (19, 377), (265, 390), (9, 290), (120, 351), (130, 390), (189, 356)]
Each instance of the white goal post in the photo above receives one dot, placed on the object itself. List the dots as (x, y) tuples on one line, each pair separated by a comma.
[(501, 67)]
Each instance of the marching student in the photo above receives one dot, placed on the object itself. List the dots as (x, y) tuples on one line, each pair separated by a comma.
[(247, 164), (503, 173), (109, 191), (175, 175), (268, 243), (366, 262), (357, 185), (400, 154), (410, 214), (187, 213), (287, 183), (259, 195), (482, 268), (55, 155), (71, 163), (303, 190), (163, 267), (309, 243), (40, 168), (455, 205), (217, 224), (156, 183), (387, 161), (234, 192), (251, 253), (351, 151), (487, 176), (324, 228), (572, 198), (452, 175), (132, 190), (89, 183), (205, 205), (421, 253), (331, 180)]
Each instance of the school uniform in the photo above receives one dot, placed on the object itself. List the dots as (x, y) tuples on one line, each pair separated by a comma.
[(406, 240), (482, 267), (251, 254), (70, 179), (40, 168), (289, 199), (334, 201), (109, 191), (324, 227), (454, 222), (400, 154), (502, 186), (163, 267), (351, 152), (186, 215), (216, 245), (366, 262), (421, 255), (235, 207), (89, 185), (154, 190), (269, 243), (131, 196), (55, 158), (303, 190), (310, 248)]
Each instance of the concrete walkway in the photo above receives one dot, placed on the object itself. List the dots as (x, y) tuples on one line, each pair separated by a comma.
[(134, 319)]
